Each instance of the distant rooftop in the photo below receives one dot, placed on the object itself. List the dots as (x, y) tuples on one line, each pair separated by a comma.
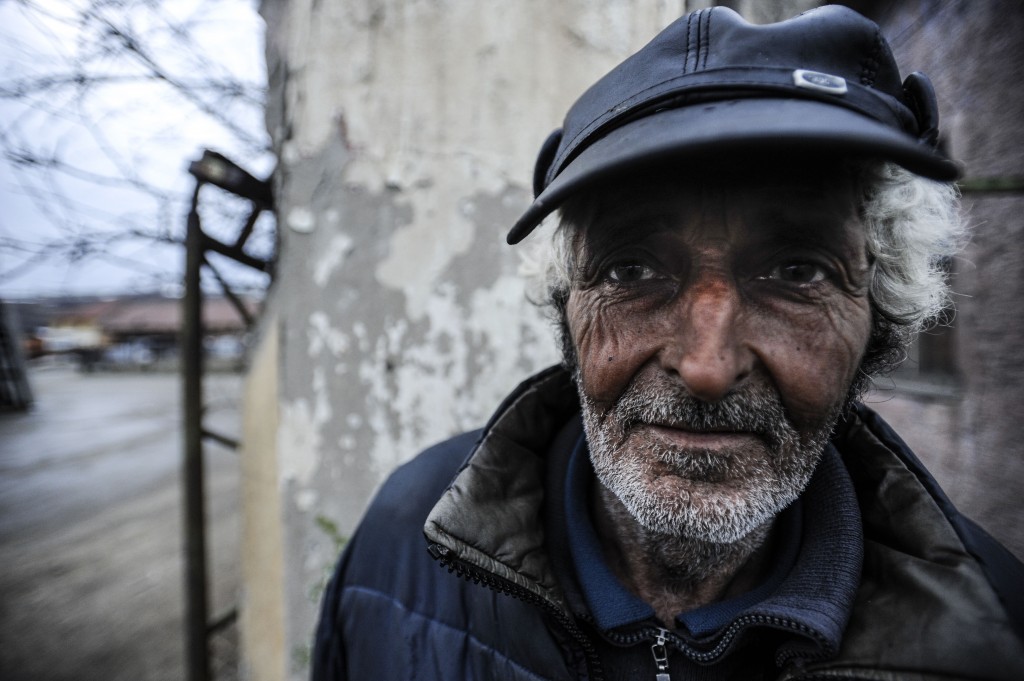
[(152, 315)]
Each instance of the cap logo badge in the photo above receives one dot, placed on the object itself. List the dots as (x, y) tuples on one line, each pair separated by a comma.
[(822, 82)]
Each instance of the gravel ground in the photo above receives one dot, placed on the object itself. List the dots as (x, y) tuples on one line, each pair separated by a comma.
[(90, 527)]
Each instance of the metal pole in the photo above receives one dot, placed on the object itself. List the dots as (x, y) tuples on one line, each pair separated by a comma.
[(215, 169), (196, 616)]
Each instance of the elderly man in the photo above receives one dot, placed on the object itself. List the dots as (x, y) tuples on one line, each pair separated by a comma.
[(751, 220)]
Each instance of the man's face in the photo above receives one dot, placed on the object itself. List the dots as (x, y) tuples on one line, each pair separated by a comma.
[(717, 327)]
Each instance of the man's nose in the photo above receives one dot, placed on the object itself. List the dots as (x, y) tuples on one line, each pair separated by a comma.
[(706, 347)]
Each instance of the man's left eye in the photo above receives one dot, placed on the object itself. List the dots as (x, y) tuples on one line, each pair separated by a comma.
[(798, 273), (629, 272)]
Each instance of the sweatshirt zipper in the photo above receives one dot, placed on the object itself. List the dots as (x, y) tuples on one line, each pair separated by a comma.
[(442, 555)]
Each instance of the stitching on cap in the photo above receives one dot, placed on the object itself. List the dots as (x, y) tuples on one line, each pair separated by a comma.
[(870, 64), (707, 37), (700, 41), (686, 47)]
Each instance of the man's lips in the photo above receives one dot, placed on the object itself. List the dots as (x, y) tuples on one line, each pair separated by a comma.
[(714, 438)]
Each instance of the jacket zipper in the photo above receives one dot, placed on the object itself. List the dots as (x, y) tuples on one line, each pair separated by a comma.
[(661, 657), (662, 637), (471, 573)]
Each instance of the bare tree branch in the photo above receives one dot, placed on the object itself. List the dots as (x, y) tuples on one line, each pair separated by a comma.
[(85, 132)]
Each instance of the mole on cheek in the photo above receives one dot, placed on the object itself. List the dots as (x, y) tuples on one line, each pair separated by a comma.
[(611, 359)]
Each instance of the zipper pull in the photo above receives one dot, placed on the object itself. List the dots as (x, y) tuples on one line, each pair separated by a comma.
[(661, 657)]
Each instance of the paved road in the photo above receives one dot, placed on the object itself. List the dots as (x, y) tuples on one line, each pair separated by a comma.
[(90, 539)]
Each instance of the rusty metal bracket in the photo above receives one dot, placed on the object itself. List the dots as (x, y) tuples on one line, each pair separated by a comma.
[(217, 170)]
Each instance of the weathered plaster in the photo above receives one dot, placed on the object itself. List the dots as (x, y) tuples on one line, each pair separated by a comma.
[(337, 250), (299, 434), (420, 252)]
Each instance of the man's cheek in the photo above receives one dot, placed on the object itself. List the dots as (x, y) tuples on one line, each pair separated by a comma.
[(610, 348), (812, 372)]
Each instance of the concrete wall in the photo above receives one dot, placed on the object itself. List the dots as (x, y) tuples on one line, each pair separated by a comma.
[(406, 132)]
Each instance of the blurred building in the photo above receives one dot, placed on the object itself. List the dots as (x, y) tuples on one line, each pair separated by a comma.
[(136, 331), (406, 133), (957, 400)]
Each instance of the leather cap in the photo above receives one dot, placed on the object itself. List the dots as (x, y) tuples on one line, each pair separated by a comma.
[(712, 85)]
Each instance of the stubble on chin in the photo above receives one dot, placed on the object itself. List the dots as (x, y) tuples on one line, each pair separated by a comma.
[(714, 495)]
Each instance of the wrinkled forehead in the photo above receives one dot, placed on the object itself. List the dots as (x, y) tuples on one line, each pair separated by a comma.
[(806, 200)]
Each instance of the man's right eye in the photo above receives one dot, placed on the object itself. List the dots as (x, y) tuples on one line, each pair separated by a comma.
[(630, 272)]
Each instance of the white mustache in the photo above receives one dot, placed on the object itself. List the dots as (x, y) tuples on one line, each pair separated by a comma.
[(751, 409)]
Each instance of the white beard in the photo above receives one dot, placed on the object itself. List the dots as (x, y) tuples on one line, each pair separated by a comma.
[(716, 496)]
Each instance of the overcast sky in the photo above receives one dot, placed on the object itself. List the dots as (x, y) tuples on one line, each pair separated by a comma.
[(123, 142)]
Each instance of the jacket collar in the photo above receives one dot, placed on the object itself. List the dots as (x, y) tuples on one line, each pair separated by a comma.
[(501, 488)]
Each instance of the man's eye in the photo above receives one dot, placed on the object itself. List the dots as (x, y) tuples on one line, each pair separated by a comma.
[(625, 273), (798, 273)]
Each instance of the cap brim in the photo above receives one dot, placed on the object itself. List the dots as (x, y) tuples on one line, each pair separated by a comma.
[(729, 131)]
